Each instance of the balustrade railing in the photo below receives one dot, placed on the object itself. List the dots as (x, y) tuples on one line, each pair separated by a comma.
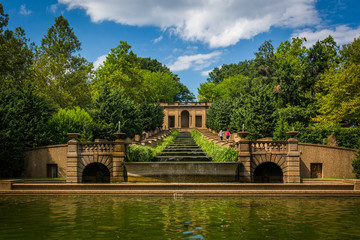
[(102, 147), (269, 146)]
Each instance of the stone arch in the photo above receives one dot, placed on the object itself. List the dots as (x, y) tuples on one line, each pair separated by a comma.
[(278, 159), (86, 160), (268, 172), (96, 172), (185, 119)]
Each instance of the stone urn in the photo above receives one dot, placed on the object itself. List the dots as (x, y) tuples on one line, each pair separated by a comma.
[(72, 136), (292, 134), (120, 135), (243, 135)]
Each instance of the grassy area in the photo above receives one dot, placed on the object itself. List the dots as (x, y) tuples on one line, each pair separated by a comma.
[(217, 153), (140, 153)]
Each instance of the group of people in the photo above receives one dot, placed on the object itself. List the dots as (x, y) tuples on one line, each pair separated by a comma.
[(227, 135)]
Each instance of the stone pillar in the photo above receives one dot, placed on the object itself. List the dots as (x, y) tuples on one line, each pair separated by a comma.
[(293, 162), (244, 157), (118, 156), (72, 173)]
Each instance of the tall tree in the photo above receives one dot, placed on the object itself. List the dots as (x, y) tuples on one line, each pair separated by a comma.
[(62, 75), (339, 98), (16, 55), (320, 57), (153, 65), (289, 72), (121, 70)]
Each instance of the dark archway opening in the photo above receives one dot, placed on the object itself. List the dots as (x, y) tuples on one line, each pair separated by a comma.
[(185, 119), (96, 173), (268, 172)]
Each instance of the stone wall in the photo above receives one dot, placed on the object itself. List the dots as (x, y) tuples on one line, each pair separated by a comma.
[(36, 160), (336, 161)]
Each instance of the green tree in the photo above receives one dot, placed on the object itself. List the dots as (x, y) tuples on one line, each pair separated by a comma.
[(151, 115), (153, 65), (16, 55), (24, 117), (289, 72), (320, 57), (265, 62), (207, 92), (339, 100), (256, 112), (66, 121), (159, 87), (62, 75), (110, 108), (121, 70), (219, 115)]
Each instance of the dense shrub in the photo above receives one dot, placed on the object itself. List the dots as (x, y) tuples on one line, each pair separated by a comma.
[(112, 107), (140, 153), (217, 153), (71, 121), (24, 120)]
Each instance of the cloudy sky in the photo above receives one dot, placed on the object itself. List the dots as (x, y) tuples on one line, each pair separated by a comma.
[(191, 37)]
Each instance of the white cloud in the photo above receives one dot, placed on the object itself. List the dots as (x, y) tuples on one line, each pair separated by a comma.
[(52, 8), (156, 40), (342, 34), (206, 73), (99, 61), (196, 62), (24, 11), (219, 23)]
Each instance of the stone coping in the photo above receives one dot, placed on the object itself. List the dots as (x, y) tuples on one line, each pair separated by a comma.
[(45, 147), (326, 146)]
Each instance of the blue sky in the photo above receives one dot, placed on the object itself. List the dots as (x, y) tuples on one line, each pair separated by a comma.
[(191, 37)]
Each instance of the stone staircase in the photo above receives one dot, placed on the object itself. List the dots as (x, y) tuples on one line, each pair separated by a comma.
[(184, 149)]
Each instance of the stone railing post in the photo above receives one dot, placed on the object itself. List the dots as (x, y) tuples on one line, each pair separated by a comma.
[(293, 159), (244, 157), (118, 156), (72, 173)]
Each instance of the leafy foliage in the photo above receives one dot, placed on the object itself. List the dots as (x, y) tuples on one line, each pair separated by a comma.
[(71, 121), (140, 153), (60, 75), (217, 153), (24, 120), (112, 107), (16, 55)]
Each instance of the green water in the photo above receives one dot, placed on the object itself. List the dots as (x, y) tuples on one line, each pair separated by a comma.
[(111, 217)]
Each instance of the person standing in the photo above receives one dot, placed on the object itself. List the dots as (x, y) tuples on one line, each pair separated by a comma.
[(221, 134), (227, 135)]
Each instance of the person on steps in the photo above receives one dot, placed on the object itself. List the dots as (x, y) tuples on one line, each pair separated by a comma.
[(221, 134), (227, 135)]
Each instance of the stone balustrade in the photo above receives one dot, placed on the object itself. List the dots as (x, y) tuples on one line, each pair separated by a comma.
[(269, 146)]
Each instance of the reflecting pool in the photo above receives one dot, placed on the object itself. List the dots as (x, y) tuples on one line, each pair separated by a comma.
[(112, 217)]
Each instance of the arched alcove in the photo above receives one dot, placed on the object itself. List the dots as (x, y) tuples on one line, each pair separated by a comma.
[(96, 173), (268, 172), (185, 119)]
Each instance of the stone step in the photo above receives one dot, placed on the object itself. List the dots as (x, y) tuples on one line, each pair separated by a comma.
[(181, 158), (181, 153), (182, 147), (183, 150)]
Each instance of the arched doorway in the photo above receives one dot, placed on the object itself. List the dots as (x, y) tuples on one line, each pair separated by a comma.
[(96, 173), (185, 119), (268, 172)]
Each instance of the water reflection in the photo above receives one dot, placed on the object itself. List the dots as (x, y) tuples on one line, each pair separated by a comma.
[(106, 217)]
